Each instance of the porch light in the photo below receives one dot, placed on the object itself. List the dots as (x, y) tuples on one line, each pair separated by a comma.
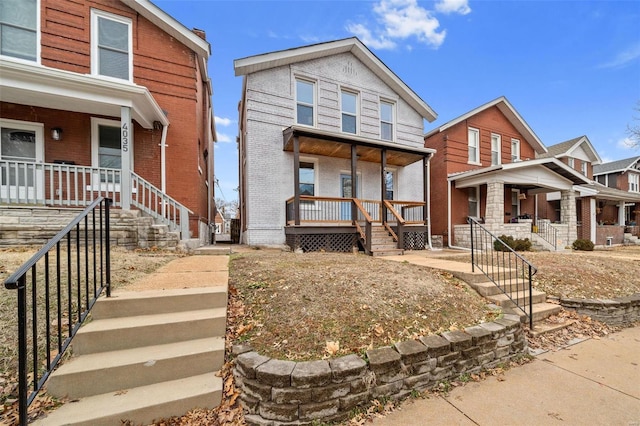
[(56, 134), (522, 196)]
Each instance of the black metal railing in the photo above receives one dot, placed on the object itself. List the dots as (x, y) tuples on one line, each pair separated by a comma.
[(56, 289), (508, 270), (547, 232)]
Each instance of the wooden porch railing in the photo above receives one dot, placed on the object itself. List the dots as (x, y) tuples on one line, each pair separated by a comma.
[(68, 185)]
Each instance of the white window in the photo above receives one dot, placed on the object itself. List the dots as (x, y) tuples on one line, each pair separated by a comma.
[(583, 167), (111, 46), (106, 152), (571, 162), (634, 181), (515, 203), (389, 183), (387, 119), (305, 102), (349, 103), (496, 141), (474, 146), (473, 202), (515, 150), (307, 178), (19, 23)]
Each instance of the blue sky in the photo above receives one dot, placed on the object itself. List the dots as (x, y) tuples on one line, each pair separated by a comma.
[(570, 68)]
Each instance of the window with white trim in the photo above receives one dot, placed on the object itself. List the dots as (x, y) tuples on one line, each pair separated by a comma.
[(571, 162), (473, 202), (305, 102), (349, 105), (389, 183), (474, 146), (634, 182), (111, 46), (496, 140), (307, 175), (515, 150), (583, 167), (106, 150), (19, 25), (387, 119)]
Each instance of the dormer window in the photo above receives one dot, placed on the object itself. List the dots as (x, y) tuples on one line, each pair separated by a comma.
[(19, 29), (111, 46), (583, 168), (571, 163)]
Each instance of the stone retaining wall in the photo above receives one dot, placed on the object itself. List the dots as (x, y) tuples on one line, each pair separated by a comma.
[(20, 226), (276, 392), (618, 311)]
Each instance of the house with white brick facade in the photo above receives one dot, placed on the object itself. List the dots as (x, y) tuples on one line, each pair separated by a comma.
[(331, 152)]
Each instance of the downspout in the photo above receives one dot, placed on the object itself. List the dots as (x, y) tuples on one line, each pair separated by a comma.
[(428, 171), (163, 159), (449, 219)]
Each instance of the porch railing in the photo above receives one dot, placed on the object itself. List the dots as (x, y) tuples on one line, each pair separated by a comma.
[(412, 212), (508, 270), (70, 185), (56, 289), (363, 217), (547, 232)]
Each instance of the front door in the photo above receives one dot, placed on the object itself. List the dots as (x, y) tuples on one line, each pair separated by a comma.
[(21, 149), (345, 192)]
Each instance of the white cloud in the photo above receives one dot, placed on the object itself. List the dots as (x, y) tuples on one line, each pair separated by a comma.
[(224, 138), (627, 143), (624, 57), (405, 19), (453, 6), (221, 121)]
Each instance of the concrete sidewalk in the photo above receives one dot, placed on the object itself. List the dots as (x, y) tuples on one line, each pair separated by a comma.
[(596, 382)]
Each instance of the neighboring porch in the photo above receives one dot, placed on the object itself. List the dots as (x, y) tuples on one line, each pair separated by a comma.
[(346, 223)]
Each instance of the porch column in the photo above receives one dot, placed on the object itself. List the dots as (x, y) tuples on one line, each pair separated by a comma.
[(494, 214), (354, 177), (568, 214), (383, 184), (592, 222), (621, 213), (126, 146), (296, 180)]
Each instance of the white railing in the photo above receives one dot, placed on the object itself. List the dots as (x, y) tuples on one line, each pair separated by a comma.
[(68, 185), (159, 205)]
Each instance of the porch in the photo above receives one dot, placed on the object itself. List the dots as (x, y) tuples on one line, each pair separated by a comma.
[(54, 185), (346, 223)]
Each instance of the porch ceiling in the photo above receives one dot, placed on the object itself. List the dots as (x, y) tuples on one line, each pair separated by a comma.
[(318, 142), (44, 87)]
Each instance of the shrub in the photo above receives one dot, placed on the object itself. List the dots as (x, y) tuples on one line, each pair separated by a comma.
[(583, 245), (517, 245)]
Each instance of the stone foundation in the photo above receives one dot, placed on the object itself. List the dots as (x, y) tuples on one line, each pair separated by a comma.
[(275, 392), (618, 311)]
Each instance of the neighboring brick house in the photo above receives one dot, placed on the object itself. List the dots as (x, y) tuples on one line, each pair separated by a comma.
[(492, 166), (310, 119), (622, 179), (106, 97)]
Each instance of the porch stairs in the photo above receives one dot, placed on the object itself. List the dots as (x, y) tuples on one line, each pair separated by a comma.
[(145, 355), (481, 284), (382, 243), (630, 239)]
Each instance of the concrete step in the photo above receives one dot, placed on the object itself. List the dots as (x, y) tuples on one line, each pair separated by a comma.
[(151, 302), (147, 330), (540, 311), (521, 298), (388, 252), (488, 288), (142, 404), (106, 372)]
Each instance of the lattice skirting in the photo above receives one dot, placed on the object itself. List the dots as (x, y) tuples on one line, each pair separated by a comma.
[(323, 242), (414, 240)]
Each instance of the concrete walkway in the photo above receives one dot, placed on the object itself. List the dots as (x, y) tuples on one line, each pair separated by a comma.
[(596, 382)]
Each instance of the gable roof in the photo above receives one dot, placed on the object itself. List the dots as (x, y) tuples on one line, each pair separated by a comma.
[(510, 114), (615, 166), (251, 64), (565, 148)]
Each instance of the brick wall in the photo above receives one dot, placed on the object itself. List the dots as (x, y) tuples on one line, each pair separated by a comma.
[(292, 393)]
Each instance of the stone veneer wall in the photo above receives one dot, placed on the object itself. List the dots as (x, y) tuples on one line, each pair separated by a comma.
[(21, 226), (618, 311), (276, 392)]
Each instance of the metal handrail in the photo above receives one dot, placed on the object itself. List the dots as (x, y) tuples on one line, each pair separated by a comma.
[(548, 232), (508, 270), (95, 241)]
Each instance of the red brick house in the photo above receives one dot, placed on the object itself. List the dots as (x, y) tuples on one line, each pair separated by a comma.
[(111, 98), (492, 166)]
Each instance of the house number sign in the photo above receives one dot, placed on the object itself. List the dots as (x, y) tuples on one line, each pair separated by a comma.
[(124, 137)]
